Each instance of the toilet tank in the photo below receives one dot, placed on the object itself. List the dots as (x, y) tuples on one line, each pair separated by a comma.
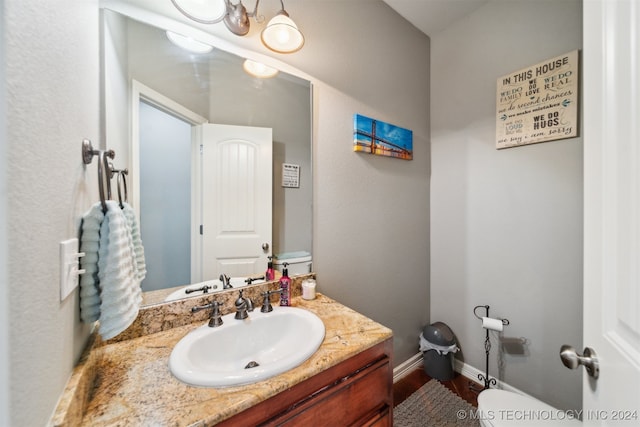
[(299, 262)]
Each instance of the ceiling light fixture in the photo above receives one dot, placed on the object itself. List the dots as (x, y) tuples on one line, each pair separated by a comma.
[(258, 69), (187, 43), (280, 35)]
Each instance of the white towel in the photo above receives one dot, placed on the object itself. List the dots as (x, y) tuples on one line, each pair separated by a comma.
[(118, 280), (89, 244), (138, 250)]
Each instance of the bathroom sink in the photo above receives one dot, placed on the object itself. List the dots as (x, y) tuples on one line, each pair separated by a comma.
[(247, 351), (216, 286)]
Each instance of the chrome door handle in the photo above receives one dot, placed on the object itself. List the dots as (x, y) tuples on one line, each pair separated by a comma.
[(571, 359), (265, 246)]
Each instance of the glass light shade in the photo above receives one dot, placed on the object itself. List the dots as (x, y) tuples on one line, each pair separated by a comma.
[(203, 11), (187, 43), (258, 69), (282, 35)]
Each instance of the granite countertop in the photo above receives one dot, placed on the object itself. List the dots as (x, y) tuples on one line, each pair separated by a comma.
[(128, 382)]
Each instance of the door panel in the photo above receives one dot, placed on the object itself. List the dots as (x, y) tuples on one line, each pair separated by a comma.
[(236, 199), (612, 210)]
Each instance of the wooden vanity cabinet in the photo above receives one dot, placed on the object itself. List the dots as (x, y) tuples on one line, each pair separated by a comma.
[(356, 392)]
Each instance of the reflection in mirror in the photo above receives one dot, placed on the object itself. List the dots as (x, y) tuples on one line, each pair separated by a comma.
[(171, 99)]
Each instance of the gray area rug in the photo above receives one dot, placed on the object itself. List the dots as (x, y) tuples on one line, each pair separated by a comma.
[(434, 405)]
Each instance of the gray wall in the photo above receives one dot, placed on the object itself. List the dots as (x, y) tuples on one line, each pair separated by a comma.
[(4, 283), (506, 225), (371, 215)]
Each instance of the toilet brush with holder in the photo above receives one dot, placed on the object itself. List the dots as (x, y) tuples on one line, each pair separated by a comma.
[(488, 324)]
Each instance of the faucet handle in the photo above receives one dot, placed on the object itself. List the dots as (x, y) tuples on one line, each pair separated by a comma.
[(226, 281), (216, 317), (250, 280), (266, 302), (204, 289), (241, 307)]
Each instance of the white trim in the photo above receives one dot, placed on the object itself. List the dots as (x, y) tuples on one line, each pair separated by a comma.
[(472, 373), (466, 370), (403, 369)]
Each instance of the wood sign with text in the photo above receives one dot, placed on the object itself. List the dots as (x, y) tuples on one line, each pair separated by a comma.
[(538, 103)]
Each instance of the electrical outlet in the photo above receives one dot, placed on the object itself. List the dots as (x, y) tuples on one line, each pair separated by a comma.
[(69, 267)]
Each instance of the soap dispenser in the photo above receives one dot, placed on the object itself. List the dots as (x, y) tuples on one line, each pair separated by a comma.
[(269, 274), (285, 285)]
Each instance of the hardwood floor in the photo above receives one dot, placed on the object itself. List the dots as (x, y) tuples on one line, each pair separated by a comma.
[(417, 378)]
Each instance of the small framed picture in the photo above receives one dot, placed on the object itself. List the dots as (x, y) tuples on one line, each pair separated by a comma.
[(290, 175)]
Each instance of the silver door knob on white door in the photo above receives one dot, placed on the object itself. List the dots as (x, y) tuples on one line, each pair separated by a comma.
[(571, 359)]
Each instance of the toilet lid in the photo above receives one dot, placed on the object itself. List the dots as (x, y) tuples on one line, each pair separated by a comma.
[(503, 408)]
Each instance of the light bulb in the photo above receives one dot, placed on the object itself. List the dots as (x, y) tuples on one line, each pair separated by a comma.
[(282, 35)]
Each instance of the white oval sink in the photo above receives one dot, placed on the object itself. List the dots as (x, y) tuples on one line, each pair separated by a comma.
[(247, 351), (215, 286)]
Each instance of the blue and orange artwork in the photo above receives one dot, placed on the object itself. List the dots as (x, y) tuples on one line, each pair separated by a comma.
[(384, 139)]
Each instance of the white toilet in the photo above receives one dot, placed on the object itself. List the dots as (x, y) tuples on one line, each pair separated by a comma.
[(299, 262), (498, 408)]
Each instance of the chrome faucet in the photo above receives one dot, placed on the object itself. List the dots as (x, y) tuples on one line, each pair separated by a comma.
[(215, 319), (226, 281), (242, 307)]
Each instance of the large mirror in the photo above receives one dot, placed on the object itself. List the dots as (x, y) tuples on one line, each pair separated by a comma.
[(160, 103)]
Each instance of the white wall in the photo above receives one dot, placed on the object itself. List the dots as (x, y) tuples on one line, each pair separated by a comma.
[(506, 225), (52, 73)]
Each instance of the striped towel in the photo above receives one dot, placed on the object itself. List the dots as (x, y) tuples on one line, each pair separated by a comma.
[(120, 290), (89, 244)]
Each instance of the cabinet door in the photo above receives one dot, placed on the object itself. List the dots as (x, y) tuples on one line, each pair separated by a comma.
[(353, 400), (356, 391)]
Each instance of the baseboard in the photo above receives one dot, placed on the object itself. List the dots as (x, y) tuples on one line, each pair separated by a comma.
[(472, 373), (407, 366), (462, 368)]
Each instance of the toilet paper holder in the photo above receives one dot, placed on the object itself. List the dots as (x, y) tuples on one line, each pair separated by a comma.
[(494, 324)]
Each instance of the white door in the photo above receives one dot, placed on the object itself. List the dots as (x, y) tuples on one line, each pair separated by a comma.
[(236, 199), (611, 99)]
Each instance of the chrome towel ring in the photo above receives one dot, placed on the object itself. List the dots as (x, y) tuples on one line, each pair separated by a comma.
[(121, 185)]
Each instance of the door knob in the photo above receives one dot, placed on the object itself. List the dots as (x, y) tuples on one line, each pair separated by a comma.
[(265, 246), (571, 359)]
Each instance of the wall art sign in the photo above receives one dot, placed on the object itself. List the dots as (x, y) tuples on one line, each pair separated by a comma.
[(290, 175), (538, 103), (384, 139)]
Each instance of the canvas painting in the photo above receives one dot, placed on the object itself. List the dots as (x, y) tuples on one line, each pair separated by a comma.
[(381, 138)]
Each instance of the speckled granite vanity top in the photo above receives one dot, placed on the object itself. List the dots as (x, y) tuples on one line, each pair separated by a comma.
[(128, 382)]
